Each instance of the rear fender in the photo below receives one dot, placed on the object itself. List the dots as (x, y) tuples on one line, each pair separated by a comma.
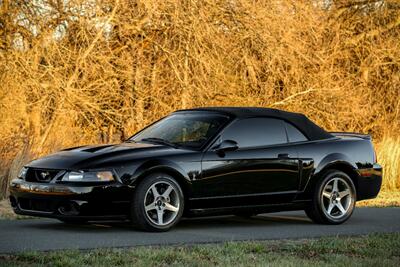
[(334, 159), (337, 161)]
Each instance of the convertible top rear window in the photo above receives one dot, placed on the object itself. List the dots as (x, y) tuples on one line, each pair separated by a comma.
[(294, 134)]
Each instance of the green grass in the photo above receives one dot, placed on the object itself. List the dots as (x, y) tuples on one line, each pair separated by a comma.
[(371, 250)]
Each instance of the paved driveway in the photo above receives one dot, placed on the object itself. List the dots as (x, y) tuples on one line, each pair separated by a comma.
[(47, 234)]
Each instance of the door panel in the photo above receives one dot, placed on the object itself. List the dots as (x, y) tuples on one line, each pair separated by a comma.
[(263, 170), (248, 177)]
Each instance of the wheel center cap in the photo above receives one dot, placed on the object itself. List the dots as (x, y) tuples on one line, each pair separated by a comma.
[(159, 203)]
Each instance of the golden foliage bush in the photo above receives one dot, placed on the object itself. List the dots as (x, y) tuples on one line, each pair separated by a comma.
[(76, 72), (389, 157)]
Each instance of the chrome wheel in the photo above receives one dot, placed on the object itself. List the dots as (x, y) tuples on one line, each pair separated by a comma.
[(161, 203), (337, 198)]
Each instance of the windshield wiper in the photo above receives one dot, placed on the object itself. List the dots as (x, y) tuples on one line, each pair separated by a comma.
[(159, 141)]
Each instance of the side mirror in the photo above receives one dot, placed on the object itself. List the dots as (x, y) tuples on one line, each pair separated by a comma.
[(226, 145)]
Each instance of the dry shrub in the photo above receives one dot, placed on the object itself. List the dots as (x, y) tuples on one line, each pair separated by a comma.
[(77, 72), (388, 153)]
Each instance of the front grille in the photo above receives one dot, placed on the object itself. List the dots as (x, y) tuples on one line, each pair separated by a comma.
[(35, 204), (40, 175)]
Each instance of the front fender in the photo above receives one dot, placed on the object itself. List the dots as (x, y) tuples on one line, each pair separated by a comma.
[(161, 165)]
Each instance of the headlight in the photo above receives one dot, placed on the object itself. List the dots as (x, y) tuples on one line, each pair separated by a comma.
[(22, 173), (91, 176)]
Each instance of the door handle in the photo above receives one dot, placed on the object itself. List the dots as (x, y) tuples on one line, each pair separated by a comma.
[(283, 156)]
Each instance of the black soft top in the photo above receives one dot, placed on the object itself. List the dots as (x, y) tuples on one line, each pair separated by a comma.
[(310, 129)]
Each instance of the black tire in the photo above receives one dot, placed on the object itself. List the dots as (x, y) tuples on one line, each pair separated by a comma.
[(318, 211), (142, 219)]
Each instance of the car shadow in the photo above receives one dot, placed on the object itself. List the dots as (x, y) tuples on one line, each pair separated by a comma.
[(186, 224)]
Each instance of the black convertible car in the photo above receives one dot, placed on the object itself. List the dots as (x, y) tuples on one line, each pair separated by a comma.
[(205, 161)]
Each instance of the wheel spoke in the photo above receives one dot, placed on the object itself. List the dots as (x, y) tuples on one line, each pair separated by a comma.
[(335, 185), (170, 207), (340, 207), (160, 215), (155, 192), (344, 193), (326, 194), (167, 191), (151, 206), (331, 206)]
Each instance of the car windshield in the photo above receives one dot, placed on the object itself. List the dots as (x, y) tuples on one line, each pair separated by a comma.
[(186, 129)]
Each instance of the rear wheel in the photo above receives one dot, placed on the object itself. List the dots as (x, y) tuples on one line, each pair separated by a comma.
[(157, 204), (333, 200)]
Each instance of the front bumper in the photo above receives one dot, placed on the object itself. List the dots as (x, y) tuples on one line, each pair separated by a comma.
[(63, 201), (369, 182)]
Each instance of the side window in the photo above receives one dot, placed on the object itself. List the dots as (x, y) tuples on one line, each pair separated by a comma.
[(256, 132), (294, 134)]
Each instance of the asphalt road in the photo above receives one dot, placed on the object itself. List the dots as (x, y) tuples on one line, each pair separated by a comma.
[(47, 234)]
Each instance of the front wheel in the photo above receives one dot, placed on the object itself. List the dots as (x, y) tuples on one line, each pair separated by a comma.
[(157, 203), (333, 200)]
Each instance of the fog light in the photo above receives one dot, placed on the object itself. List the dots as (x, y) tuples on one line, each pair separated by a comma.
[(70, 208)]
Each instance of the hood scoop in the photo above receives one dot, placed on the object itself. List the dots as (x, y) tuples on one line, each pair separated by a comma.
[(71, 148), (96, 148)]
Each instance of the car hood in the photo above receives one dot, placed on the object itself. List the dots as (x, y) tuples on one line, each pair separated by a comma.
[(87, 157)]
